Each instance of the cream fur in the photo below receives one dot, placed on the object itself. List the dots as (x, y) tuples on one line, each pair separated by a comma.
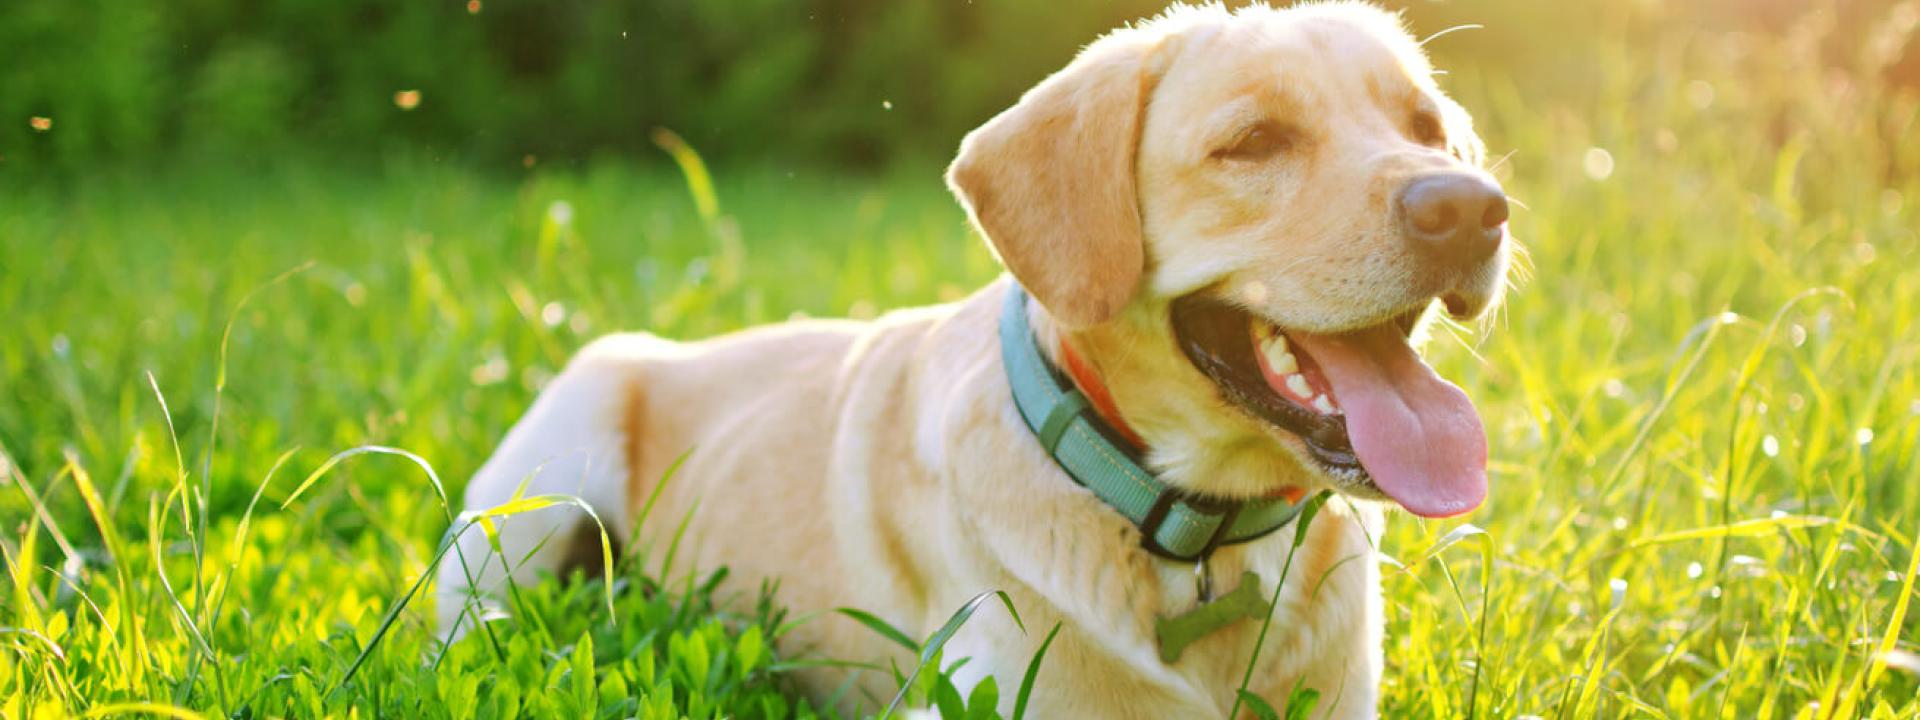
[(882, 465)]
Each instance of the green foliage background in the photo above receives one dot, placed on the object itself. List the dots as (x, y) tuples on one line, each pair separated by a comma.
[(845, 82)]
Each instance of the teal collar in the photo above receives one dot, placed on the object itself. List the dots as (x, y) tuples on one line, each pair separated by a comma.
[(1174, 524)]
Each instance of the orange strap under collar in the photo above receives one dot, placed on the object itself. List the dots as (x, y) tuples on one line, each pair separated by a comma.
[(1102, 401), (1097, 394)]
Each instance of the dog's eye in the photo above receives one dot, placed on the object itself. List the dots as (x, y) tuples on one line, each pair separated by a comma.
[(1427, 130), (1258, 143)]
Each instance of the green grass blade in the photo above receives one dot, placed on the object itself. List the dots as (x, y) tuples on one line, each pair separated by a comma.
[(1309, 509), (1896, 619), (1260, 708), (885, 629), (142, 708), (1033, 673), (541, 502), (699, 181), (938, 641), (393, 614), (432, 477)]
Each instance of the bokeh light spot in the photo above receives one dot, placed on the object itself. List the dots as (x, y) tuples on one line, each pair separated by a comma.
[(494, 370), (1666, 140), (40, 124), (1254, 292), (406, 99), (1700, 94), (1598, 163)]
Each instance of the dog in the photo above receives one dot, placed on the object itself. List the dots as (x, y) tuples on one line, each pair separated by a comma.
[(1225, 233)]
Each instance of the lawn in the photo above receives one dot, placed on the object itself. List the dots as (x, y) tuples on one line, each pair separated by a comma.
[(1702, 402)]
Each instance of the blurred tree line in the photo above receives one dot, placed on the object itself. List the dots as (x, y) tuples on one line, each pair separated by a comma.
[(848, 82)]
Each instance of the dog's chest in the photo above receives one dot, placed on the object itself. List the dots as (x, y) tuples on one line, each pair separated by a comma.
[(1324, 618)]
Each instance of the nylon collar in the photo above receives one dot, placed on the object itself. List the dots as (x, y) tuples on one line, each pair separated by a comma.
[(1174, 524)]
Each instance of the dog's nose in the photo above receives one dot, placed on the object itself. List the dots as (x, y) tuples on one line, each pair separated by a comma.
[(1454, 215)]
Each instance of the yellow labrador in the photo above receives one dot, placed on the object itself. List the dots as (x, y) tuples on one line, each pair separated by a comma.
[(1223, 230)]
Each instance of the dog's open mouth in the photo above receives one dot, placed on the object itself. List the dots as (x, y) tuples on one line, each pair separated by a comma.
[(1369, 411)]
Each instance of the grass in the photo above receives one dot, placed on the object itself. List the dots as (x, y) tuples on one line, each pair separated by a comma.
[(1702, 409)]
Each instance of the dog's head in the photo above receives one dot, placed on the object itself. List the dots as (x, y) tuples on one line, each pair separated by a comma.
[(1241, 218)]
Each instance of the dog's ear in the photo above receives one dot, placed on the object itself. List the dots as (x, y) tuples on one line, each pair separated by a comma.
[(1050, 181)]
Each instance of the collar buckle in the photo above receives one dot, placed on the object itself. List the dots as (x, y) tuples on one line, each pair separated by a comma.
[(1227, 510)]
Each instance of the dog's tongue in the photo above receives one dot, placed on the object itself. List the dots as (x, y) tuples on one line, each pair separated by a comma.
[(1415, 433)]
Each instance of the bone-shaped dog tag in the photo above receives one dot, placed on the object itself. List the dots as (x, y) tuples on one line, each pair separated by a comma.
[(1244, 603)]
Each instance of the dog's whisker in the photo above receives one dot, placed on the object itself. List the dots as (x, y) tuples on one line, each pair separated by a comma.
[(1457, 332), (1308, 259), (1450, 31), (1503, 160)]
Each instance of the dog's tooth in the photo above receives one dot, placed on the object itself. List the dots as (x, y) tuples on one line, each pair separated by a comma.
[(1297, 384), (1321, 403), (1274, 351), (1262, 332), (1279, 360)]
